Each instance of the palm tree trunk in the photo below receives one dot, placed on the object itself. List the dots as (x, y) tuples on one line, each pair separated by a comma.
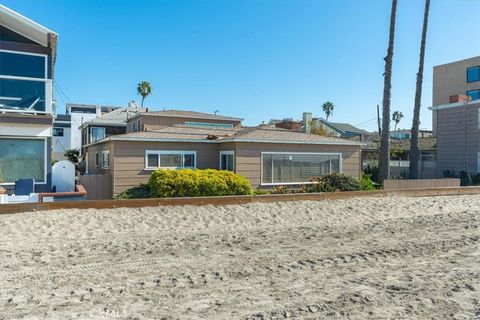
[(384, 158), (414, 151), (143, 98)]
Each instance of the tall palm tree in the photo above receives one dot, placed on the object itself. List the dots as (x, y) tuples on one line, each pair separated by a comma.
[(328, 109), (144, 89), (384, 157), (396, 117), (414, 151)]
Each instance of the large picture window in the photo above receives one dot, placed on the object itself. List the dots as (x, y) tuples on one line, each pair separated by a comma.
[(297, 168), (22, 159), (24, 83), (474, 94), (473, 74), (155, 159)]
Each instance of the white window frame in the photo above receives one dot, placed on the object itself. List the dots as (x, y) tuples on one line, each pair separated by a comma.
[(160, 152), (340, 165), (226, 152), (105, 152), (45, 143)]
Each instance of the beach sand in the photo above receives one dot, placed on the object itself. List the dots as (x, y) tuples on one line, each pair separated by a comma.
[(364, 258)]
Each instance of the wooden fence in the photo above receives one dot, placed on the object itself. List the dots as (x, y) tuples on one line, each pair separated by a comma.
[(420, 184), (98, 186), (221, 201)]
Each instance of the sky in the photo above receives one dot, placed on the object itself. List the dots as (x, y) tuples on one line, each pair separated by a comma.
[(254, 59)]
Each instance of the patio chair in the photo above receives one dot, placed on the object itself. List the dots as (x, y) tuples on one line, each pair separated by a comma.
[(23, 187)]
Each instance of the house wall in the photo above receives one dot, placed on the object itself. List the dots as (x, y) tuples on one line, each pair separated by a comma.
[(458, 138), (451, 79), (61, 144), (99, 170), (151, 122), (248, 157), (130, 160)]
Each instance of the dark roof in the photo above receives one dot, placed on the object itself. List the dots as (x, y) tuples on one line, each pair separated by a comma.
[(346, 127), (63, 117), (190, 114)]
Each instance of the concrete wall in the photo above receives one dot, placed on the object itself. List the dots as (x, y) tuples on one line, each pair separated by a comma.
[(61, 144)]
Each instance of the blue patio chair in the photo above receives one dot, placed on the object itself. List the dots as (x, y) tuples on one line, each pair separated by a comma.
[(23, 187)]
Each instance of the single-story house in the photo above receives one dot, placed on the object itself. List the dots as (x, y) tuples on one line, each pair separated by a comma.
[(266, 156)]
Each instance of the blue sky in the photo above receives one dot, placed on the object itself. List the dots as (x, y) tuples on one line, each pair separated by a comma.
[(253, 59)]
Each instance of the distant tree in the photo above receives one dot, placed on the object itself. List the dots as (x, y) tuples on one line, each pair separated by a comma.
[(72, 155), (414, 151), (144, 89), (396, 117), (384, 158), (328, 109), (318, 129)]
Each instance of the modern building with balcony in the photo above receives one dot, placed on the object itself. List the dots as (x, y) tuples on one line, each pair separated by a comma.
[(27, 63)]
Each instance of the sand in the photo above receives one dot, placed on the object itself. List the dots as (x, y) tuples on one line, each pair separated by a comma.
[(365, 258)]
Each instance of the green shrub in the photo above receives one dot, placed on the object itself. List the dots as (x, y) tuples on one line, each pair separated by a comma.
[(197, 183), (142, 191), (366, 182), (333, 182), (373, 172)]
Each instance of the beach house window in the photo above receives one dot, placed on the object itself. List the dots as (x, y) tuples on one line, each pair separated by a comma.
[(106, 159), (24, 82), (473, 74), (166, 159), (474, 94), (22, 159), (227, 161), (58, 132), (96, 159), (297, 168), (96, 134), (208, 124)]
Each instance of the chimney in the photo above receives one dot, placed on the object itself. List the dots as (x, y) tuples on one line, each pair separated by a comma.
[(307, 119)]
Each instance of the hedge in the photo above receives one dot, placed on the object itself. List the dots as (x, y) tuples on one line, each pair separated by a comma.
[(197, 183)]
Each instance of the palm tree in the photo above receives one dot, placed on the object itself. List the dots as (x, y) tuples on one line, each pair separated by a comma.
[(328, 109), (414, 152), (384, 158), (396, 117), (144, 89)]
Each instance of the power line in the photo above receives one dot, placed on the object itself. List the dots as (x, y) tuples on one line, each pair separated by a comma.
[(61, 91)]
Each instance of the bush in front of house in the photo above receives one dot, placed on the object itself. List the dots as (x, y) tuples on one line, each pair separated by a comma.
[(366, 182), (333, 182), (197, 183), (142, 191)]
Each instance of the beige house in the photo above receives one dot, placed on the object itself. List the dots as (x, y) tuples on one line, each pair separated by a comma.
[(266, 156), (456, 116)]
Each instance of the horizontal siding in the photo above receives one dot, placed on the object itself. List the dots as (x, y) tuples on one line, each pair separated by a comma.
[(249, 157)]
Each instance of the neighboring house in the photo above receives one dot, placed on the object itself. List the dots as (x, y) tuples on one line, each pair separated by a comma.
[(147, 121), (81, 113), (456, 116), (62, 132), (334, 129), (27, 63), (266, 156), (407, 133), (453, 79), (109, 124), (400, 155)]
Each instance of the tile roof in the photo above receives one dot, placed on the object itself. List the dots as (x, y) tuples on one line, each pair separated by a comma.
[(217, 135), (190, 114)]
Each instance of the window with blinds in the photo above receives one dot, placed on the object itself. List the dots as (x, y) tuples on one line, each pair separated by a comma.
[(292, 168)]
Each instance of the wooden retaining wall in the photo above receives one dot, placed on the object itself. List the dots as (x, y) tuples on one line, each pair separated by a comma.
[(420, 184), (219, 201)]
